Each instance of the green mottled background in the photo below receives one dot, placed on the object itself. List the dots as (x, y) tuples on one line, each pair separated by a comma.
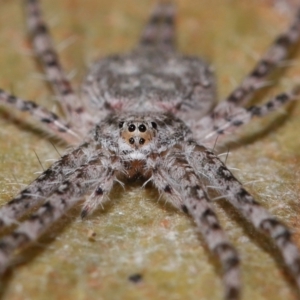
[(135, 234)]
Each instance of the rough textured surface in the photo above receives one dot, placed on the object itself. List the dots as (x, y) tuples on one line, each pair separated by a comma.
[(135, 235)]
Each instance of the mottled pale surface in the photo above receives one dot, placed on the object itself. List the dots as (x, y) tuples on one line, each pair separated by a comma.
[(135, 234)]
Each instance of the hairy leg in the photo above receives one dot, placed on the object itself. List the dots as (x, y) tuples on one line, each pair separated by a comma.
[(41, 188), (50, 121), (275, 55), (176, 179), (219, 176), (68, 193), (43, 46), (160, 30), (100, 193), (235, 117)]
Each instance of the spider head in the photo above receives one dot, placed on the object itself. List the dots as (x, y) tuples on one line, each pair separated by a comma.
[(137, 134)]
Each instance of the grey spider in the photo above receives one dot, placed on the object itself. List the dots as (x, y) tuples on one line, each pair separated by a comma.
[(149, 114)]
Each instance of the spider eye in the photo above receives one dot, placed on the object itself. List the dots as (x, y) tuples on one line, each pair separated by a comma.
[(131, 141), (141, 141), (142, 128), (121, 124), (154, 125), (131, 127)]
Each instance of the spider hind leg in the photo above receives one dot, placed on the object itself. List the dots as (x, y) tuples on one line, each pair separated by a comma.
[(159, 32)]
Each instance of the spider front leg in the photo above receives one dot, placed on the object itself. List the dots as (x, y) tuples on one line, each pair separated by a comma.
[(219, 175), (41, 188), (81, 181), (100, 194), (176, 180)]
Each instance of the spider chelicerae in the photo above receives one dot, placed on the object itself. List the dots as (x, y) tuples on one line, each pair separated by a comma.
[(148, 115)]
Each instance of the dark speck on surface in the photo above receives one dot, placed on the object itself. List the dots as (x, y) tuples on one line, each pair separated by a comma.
[(135, 278)]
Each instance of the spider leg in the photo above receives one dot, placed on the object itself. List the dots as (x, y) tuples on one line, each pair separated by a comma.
[(100, 193), (43, 46), (239, 116), (167, 32), (41, 188), (175, 178), (64, 197), (202, 159), (276, 54), (160, 29), (50, 121)]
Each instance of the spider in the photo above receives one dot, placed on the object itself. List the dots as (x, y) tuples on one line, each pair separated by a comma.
[(148, 115)]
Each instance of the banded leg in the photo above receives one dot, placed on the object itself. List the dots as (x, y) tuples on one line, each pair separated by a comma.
[(238, 116), (160, 29), (50, 121), (66, 196), (100, 193), (277, 53), (202, 159), (177, 180), (41, 188), (43, 46), (167, 39)]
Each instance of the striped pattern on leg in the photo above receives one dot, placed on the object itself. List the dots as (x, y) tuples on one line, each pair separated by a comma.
[(238, 116), (41, 188), (50, 121), (176, 179), (44, 49), (66, 196), (202, 212), (160, 30), (277, 53), (100, 193), (219, 175)]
